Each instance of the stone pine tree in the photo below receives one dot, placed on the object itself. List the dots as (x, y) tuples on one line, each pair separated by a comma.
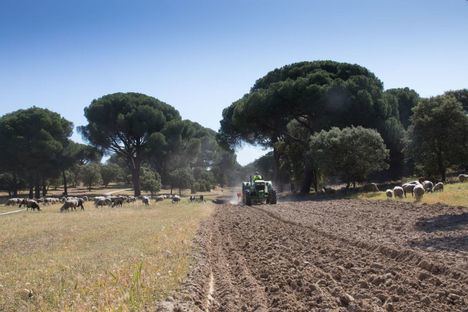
[(32, 142), (287, 105), (126, 124)]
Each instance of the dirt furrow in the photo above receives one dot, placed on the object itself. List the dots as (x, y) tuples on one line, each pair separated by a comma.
[(301, 268), (337, 255)]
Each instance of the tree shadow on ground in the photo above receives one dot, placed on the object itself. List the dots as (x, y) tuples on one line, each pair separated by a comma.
[(443, 243), (447, 222)]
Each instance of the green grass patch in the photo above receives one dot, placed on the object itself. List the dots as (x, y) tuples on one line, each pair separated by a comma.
[(454, 194)]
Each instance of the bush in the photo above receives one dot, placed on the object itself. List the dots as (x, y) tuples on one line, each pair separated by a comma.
[(150, 180), (349, 153)]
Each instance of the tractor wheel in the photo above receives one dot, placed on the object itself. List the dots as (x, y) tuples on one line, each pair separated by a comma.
[(248, 199), (272, 198)]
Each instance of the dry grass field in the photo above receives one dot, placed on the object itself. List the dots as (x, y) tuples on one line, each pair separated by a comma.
[(454, 194), (122, 259)]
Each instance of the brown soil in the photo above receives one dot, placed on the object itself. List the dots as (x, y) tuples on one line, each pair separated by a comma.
[(340, 255)]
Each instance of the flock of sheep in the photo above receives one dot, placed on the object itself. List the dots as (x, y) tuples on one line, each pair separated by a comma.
[(418, 189), (73, 203)]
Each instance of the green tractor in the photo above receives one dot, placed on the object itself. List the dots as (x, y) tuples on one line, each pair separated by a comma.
[(258, 191)]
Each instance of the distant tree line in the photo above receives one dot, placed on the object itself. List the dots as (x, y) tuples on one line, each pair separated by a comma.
[(329, 120), (148, 144)]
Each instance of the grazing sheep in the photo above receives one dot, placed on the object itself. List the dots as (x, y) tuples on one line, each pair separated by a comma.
[(145, 200), (72, 204), (80, 203), (389, 193), (30, 203), (131, 199), (159, 198), (439, 187), (175, 199), (13, 201), (100, 201), (117, 201), (51, 200), (398, 191), (408, 188), (418, 192), (428, 186), (463, 178), (69, 204)]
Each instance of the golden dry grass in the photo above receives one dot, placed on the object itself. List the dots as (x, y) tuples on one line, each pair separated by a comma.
[(454, 194), (122, 259)]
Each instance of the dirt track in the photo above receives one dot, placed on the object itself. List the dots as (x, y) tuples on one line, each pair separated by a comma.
[(340, 255)]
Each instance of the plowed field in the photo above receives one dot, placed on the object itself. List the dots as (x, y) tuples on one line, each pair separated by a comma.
[(341, 255)]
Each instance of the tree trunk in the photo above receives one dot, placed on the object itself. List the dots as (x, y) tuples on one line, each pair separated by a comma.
[(44, 190), (315, 180), (65, 185), (15, 186), (440, 165), (180, 191), (31, 192), (276, 171), (307, 181), (136, 164), (37, 191)]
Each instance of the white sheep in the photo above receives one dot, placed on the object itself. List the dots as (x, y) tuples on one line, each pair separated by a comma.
[(145, 200), (72, 204), (13, 201), (463, 178), (408, 188), (398, 191), (428, 186), (389, 193), (439, 187), (30, 203), (418, 192)]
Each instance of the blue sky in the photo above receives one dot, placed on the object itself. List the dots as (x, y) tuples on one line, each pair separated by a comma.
[(200, 56)]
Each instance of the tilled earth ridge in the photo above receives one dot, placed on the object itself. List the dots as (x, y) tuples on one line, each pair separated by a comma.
[(341, 255)]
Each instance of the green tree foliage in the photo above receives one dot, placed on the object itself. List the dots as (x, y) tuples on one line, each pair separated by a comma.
[(186, 144), (204, 180), (461, 96), (438, 135), (74, 155), (32, 142), (350, 153), (265, 165), (225, 169), (111, 173), (128, 124), (90, 175), (406, 99), (179, 146), (10, 184), (181, 178), (289, 104), (150, 180)]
